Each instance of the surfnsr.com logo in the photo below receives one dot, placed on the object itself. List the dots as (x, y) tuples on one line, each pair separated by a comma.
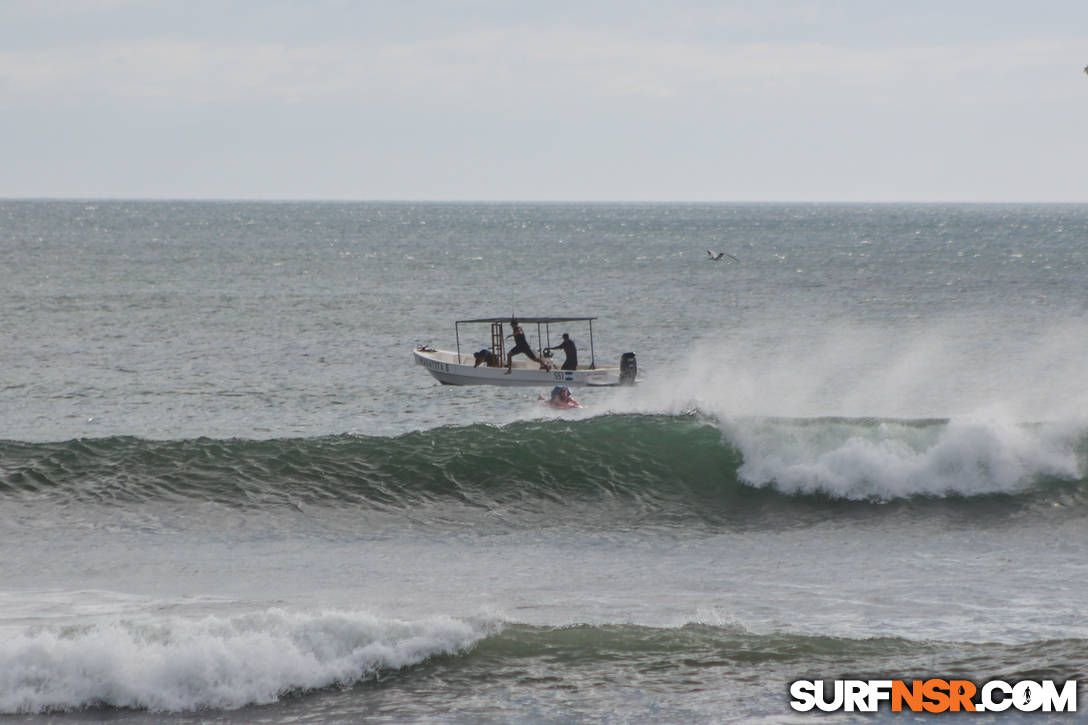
[(933, 695)]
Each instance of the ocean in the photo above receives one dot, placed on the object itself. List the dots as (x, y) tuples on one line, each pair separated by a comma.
[(227, 494)]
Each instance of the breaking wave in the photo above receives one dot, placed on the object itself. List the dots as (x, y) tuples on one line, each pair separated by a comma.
[(172, 664), (176, 664), (672, 468)]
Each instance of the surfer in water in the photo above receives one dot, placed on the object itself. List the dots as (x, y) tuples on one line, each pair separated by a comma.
[(561, 398), (520, 346)]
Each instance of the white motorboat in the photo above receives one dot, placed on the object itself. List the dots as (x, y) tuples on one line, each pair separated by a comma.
[(454, 367)]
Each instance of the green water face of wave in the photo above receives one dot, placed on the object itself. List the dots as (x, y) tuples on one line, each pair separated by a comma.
[(668, 470)]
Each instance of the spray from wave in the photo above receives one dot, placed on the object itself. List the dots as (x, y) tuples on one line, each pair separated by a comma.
[(860, 413), (909, 370)]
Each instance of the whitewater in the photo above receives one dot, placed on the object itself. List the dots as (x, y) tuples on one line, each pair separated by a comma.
[(227, 495)]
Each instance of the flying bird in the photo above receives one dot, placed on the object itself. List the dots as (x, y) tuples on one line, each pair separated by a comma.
[(720, 255)]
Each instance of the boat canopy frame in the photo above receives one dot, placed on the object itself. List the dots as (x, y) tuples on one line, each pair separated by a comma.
[(497, 336)]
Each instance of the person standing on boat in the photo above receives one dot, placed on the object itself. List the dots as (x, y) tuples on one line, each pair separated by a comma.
[(568, 348), (520, 346)]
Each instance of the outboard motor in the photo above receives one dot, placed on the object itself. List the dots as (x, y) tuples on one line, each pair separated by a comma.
[(628, 368)]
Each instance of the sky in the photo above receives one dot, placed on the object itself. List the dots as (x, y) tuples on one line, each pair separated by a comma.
[(569, 100)]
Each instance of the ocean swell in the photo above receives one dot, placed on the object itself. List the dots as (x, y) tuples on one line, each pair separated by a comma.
[(672, 468)]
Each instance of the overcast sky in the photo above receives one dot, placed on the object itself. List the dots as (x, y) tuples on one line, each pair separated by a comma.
[(927, 100)]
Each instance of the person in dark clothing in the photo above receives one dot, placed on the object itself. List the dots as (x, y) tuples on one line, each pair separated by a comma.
[(486, 357), (520, 346), (568, 348)]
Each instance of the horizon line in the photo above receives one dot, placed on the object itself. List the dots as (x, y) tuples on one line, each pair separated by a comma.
[(347, 200)]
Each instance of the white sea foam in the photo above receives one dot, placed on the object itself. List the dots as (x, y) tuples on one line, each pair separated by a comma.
[(968, 456), (177, 664)]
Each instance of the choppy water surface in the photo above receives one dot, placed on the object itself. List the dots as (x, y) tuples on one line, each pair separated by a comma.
[(228, 495)]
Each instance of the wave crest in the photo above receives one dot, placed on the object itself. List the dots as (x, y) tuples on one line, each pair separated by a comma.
[(886, 460), (178, 665)]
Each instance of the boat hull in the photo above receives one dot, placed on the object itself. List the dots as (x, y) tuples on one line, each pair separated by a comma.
[(449, 369)]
